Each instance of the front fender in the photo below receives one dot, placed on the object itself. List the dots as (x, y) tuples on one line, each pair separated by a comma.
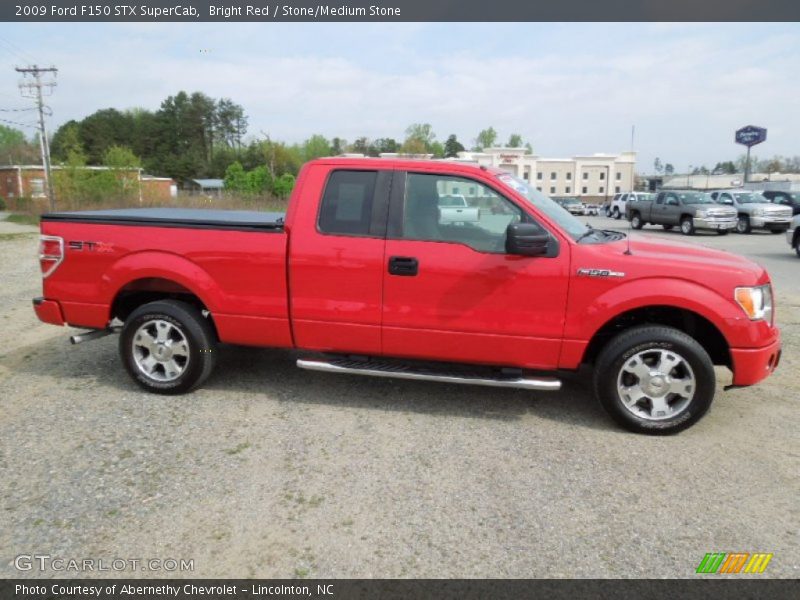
[(591, 307)]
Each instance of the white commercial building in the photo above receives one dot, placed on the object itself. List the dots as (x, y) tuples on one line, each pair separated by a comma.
[(593, 177)]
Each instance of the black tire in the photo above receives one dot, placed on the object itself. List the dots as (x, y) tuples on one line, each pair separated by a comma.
[(687, 226), (636, 221), (653, 339), (182, 319), (797, 245), (667, 227), (616, 214), (722, 232), (743, 224)]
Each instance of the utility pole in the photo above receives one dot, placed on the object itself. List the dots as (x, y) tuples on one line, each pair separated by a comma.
[(36, 89)]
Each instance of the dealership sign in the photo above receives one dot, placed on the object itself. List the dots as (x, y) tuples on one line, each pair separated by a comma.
[(751, 135)]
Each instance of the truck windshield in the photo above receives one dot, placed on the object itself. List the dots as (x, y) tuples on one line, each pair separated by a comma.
[(695, 198), (564, 219), (745, 198)]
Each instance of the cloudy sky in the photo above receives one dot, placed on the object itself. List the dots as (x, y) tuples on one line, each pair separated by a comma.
[(567, 88)]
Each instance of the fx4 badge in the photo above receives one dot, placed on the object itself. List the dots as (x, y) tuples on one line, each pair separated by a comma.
[(90, 246), (599, 273)]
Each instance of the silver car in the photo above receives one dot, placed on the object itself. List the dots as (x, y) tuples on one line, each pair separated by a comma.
[(754, 211)]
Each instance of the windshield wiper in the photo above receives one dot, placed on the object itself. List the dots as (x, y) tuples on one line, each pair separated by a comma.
[(587, 233)]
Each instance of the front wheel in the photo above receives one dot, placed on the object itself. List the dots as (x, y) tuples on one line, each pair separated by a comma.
[(168, 347), (617, 215), (743, 224), (636, 221), (654, 379), (687, 226)]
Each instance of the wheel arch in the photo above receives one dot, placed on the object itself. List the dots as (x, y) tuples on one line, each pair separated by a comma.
[(691, 322)]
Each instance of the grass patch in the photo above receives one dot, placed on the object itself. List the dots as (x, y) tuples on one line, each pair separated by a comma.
[(23, 219), (10, 237), (240, 448), (301, 572)]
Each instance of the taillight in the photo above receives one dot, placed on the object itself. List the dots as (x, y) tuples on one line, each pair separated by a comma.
[(51, 253)]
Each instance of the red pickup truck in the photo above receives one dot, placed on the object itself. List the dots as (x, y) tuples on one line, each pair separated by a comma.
[(364, 276)]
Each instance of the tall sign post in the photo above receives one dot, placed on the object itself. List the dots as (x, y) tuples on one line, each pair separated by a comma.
[(750, 136)]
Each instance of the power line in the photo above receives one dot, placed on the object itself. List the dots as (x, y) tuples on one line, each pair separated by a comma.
[(12, 48), (16, 109), (34, 125), (36, 88)]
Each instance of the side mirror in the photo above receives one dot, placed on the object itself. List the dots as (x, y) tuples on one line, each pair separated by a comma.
[(526, 239)]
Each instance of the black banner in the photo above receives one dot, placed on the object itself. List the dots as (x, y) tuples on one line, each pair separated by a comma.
[(399, 10), (441, 589)]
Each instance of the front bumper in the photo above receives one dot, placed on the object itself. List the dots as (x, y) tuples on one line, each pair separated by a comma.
[(751, 365), (715, 223), (771, 222), (48, 311)]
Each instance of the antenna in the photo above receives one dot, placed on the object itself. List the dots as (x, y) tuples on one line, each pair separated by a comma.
[(630, 230)]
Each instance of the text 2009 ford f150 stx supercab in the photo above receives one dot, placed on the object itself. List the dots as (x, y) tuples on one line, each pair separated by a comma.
[(363, 276)]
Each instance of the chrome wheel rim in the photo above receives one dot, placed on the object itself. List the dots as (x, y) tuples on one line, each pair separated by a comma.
[(741, 225), (686, 226), (656, 384), (160, 350)]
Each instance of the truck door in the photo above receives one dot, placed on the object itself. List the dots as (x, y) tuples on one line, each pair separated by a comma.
[(451, 292), (336, 249)]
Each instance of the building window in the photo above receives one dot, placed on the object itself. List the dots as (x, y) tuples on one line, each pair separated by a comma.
[(619, 176), (584, 190), (538, 188), (552, 189), (37, 188), (539, 175), (569, 176), (552, 176), (585, 176), (567, 190), (525, 175), (601, 190), (602, 175), (617, 190)]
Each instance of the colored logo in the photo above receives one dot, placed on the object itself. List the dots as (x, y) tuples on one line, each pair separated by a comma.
[(734, 562)]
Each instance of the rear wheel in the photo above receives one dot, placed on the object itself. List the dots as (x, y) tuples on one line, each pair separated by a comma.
[(167, 347), (687, 226), (743, 224), (636, 221), (654, 379)]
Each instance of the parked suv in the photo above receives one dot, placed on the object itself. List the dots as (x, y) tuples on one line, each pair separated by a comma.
[(790, 199), (754, 211), (616, 209)]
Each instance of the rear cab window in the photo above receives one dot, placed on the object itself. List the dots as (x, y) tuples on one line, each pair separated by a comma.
[(354, 203)]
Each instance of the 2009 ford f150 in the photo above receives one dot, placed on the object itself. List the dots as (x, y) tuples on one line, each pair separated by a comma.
[(363, 277)]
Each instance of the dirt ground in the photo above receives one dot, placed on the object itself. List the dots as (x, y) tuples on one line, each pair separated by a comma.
[(269, 471)]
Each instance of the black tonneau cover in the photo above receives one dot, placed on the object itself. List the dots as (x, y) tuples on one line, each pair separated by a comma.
[(190, 218)]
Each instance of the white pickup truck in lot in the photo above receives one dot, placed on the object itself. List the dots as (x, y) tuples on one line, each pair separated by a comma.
[(455, 209)]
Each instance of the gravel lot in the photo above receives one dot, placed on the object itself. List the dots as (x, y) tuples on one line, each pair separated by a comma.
[(270, 471)]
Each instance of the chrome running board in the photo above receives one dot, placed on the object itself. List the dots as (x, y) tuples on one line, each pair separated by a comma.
[(400, 371)]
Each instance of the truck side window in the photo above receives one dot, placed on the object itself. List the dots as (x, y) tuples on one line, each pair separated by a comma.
[(660, 198), (346, 206), (479, 221)]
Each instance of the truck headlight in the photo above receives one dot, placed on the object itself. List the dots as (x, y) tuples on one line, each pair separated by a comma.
[(701, 214), (758, 212), (756, 302)]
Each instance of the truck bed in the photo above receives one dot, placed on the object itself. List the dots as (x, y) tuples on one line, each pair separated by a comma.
[(191, 218)]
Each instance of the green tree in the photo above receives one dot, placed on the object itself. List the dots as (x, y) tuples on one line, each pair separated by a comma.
[(452, 146), (419, 138), (283, 185), (384, 145), (486, 138), (235, 178), (437, 149), (360, 146), (316, 146), (16, 149), (514, 141), (669, 169)]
